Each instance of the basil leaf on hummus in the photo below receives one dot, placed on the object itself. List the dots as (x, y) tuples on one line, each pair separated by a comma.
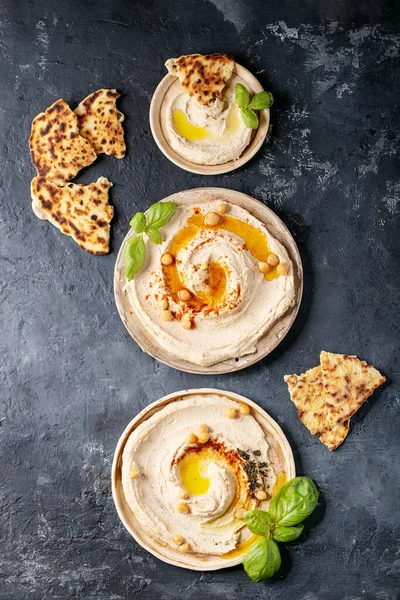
[(261, 100), (134, 255), (262, 560), (154, 235), (135, 250), (138, 222), (160, 213), (242, 95), (247, 108), (249, 118), (258, 521)]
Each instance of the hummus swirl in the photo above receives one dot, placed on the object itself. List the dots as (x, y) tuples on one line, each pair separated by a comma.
[(203, 134), (214, 474), (231, 303)]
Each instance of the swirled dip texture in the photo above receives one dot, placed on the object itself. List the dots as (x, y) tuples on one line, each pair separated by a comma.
[(232, 304), (207, 135), (213, 474)]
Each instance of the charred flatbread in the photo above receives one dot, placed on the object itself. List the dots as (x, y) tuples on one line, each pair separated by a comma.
[(100, 122), (307, 393), (58, 151), (80, 211), (348, 382), (329, 394), (203, 77)]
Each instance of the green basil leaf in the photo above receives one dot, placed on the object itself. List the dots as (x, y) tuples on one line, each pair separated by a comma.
[(160, 213), (261, 100), (258, 521), (138, 222), (154, 235), (242, 96), (294, 502), (262, 560), (287, 534), (134, 255), (249, 118)]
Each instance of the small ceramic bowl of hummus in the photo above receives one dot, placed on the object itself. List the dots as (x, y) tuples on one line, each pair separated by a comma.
[(220, 291), (207, 140), (187, 468)]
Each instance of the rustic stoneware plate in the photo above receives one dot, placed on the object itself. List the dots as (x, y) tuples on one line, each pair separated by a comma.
[(283, 456), (270, 339), (158, 109)]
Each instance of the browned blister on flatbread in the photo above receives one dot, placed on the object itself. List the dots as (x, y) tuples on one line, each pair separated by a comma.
[(58, 151), (80, 211), (202, 76), (348, 382), (307, 393), (100, 122)]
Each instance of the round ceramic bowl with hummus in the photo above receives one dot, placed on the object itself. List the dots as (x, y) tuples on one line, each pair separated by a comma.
[(220, 291), (206, 140), (187, 468)]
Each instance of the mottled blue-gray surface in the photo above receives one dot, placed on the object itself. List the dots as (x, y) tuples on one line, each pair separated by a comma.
[(72, 378)]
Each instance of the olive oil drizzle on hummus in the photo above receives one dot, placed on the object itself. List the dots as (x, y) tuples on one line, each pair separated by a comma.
[(191, 132), (186, 129), (191, 470), (254, 240)]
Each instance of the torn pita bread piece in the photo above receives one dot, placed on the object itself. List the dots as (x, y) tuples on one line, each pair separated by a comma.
[(80, 211), (58, 151), (307, 393), (100, 123), (203, 77), (328, 395), (348, 382)]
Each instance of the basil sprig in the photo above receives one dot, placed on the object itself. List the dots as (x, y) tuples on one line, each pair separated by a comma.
[(248, 107), (157, 216), (294, 502)]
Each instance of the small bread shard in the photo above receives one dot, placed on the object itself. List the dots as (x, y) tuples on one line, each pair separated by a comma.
[(58, 151), (203, 77), (348, 382), (328, 395), (100, 123), (80, 211), (307, 393)]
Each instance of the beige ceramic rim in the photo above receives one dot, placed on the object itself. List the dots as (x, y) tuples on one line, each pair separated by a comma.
[(156, 124), (270, 339), (166, 554)]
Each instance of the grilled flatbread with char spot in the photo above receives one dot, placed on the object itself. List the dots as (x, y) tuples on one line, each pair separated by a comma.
[(348, 382), (80, 211), (328, 395), (307, 393), (100, 123), (203, 77), (58, 151)]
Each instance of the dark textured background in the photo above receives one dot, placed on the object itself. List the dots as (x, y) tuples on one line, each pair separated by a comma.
[(72, 378)]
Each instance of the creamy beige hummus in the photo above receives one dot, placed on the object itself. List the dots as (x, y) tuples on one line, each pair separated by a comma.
[(232, 304), (202, 134), (214, 475)]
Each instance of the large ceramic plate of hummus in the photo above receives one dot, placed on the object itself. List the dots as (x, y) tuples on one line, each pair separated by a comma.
[(206, 140), (228, 306), (186, 469)]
